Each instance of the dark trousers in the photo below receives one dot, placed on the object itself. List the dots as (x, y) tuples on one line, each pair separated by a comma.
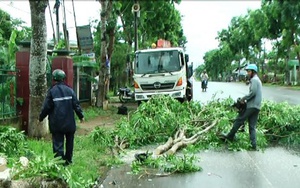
[(204, 84), (58, 145), (252, 115)]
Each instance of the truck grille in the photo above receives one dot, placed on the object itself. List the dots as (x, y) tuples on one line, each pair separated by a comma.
[(157, 86)]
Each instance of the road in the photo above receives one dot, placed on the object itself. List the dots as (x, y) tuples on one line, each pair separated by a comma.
[(235, 90), (275, 167)]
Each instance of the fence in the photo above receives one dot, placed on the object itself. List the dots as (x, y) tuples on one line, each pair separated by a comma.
[(7, 94), (9, 101)]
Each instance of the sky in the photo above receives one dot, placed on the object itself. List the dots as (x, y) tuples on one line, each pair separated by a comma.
[(85, 11), (201, 19)]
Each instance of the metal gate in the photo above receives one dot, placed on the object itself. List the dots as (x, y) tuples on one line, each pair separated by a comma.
[(8, 98)]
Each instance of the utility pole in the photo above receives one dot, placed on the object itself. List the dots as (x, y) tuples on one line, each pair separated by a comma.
[(76, 27), (54, 38), (56, 7), (66, 33), (136, 11)]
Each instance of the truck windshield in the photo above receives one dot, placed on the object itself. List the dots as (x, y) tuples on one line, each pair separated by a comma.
[(157, 62)]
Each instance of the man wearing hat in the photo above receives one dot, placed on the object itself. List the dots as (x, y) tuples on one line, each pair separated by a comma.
[(253, 100), (59, 106)]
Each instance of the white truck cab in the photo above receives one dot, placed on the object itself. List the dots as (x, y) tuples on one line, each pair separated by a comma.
[(162, 71)]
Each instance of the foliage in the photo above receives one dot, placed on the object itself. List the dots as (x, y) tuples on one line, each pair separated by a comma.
[(84, 61), (218, 61), (92, 112), (41, 165), (44, 165), (281, 122), (7, 75), (159, 118), (153, 122), (12, 142), (169, 163), (7, 93), (99, 135), (276, 21), (278, 123), (157, 20), (149, 31), (85, 153), (47, 167), (11, 30), (9, 25), (160, 20), (7, 52)]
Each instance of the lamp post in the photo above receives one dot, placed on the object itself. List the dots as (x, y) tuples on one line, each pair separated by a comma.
[(135, 32), (136, 11)]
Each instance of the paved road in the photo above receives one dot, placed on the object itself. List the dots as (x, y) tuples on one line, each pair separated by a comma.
[(235, 90), (275, 167)]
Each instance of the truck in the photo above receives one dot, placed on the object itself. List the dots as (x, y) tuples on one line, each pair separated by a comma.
[(162, 70)]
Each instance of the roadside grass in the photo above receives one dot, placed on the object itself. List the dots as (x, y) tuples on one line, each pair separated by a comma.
[(86, 155), (91, 161), (293, 87)]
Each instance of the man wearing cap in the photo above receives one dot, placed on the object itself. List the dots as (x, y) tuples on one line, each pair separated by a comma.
[(59, 106), (253, 100)]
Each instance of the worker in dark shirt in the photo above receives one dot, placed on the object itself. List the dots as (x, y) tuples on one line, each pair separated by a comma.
[(59, 106)]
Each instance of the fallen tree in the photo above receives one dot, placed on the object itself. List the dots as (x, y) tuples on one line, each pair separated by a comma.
[(180, 140), (194, 127)]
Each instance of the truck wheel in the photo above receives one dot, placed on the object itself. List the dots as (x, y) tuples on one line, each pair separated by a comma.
[(181, 100), (189, 94)]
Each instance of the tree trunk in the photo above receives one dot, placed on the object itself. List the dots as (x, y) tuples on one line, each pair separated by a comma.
[(180, 140), (103, 71), (106, 8), (37, 68), (162, 148)]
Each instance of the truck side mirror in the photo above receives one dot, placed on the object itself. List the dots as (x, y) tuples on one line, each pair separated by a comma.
[(190, 71), (186, 57)]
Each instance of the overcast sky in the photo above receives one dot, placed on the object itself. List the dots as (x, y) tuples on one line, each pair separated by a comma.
[(203, 19), (201, 22)]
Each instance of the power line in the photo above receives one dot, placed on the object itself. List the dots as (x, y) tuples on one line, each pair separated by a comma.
[(11, 5)]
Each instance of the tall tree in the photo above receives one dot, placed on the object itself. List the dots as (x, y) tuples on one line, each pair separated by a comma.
[(150, 29), (285, 15), (37, 68), (155, 21), (104, 73)]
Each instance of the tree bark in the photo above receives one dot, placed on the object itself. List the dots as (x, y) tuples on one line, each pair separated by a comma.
[(37, 68), (106, 8), (180, 140), (162, 148), (103, 71)]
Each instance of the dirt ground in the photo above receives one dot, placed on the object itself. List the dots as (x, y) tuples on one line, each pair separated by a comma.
[(104, 120)]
